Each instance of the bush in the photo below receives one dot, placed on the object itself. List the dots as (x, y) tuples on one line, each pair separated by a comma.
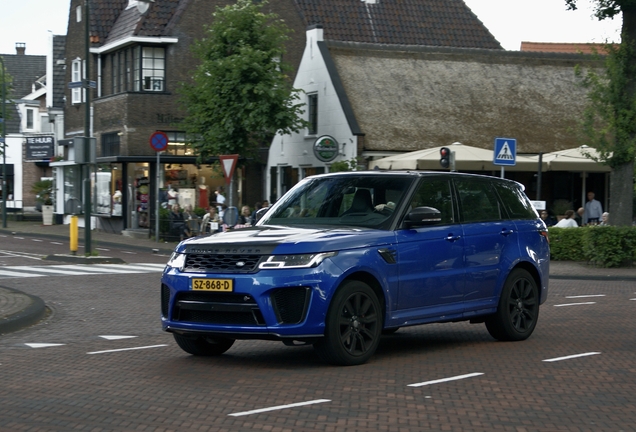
[(604, 246)]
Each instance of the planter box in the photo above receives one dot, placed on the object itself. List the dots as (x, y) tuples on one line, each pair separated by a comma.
[(47, 215)]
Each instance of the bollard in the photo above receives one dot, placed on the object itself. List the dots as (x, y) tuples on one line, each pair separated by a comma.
[(74, 234)]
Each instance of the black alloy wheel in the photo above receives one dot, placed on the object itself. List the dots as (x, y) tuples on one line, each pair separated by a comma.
[(518, 310)]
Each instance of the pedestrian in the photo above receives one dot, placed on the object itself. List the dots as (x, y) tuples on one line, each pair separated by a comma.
[(547, 219), (568, 221), (178, 223), (604, 219), (593, 210), (219, 200), (578, 217), (211, 221), (245, 216), (257, 207)]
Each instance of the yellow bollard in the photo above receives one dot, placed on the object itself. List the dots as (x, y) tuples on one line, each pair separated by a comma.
[(74, 234)]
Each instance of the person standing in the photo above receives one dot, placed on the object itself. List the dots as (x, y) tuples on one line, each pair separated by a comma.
[(593, 210), (549, 221), (220, 200)]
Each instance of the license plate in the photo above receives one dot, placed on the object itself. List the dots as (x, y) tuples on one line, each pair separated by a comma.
[(224, 285)]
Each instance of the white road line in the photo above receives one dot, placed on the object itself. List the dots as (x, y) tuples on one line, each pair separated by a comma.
[(574, 304), (127, 349), (43, 345), (16, 274), (102, 249), (571, 357), (50, 269), (455, 378), (132, 253), (56, 243), (585, 296), (279, 407), (37, 240), (633, 299)]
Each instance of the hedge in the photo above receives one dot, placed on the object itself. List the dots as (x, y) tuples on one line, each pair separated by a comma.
[(603, 246)]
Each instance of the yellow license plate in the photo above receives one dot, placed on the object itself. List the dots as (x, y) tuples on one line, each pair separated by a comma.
[(223, 285)]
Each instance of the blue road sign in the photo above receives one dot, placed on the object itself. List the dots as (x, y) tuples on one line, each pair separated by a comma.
[(505, 151)]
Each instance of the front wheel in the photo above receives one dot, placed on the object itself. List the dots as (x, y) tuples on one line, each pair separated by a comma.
[(353, 326), (518, 309), (203, 346)]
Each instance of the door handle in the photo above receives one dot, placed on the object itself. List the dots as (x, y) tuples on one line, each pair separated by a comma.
[(506, 231), (452, 238)]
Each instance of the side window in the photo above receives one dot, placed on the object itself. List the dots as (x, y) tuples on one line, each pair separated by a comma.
[(435, 193), (515, 201), (478, 201)]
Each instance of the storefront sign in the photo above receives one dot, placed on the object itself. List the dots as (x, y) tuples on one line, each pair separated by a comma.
[(40, 147), (326, 148)]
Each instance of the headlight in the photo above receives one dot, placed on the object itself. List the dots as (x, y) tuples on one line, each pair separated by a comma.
[(295, 261), (177, 260)]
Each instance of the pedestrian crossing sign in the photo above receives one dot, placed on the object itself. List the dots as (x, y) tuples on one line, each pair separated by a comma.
[(505, 151)]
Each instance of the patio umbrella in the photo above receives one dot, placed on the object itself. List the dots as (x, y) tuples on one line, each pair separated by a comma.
[(574, 159), (467, 158)]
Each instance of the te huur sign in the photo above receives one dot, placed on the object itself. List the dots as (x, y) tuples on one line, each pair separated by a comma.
[(40, 147)]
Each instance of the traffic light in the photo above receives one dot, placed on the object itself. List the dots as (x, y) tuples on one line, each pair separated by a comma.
[(444, 159)]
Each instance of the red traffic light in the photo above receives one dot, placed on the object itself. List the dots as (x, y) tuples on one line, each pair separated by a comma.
[(444, 160)]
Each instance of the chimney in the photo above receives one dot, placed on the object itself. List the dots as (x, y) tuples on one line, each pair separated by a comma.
[(20, 48)]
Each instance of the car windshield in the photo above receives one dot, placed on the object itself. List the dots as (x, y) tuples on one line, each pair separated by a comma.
[(367, 201)]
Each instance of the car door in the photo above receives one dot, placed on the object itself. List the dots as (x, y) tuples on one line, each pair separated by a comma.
[(430, 258), (489, 242)]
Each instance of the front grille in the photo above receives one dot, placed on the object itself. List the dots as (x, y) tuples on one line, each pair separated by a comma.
[(221, 263), (290, 304), (217, 308)]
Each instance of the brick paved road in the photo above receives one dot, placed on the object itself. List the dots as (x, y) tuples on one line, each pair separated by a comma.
[(82, 384)]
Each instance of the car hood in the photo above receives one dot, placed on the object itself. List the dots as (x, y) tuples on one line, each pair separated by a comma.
[(285, 239)]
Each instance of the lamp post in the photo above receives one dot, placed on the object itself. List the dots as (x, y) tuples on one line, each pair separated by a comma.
[(87, 133), (4, 147)]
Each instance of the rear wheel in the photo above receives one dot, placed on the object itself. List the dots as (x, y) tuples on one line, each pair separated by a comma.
[(518, 309), (353, 326), (203, 346)]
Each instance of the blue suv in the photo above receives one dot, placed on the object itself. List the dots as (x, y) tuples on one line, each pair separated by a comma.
[(343, 258)]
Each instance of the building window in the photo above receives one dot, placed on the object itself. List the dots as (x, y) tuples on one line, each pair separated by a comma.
[(177, 144), (110, 144), (29, 119), (312, 110), (76, 76), (150, 69), (120, 71)]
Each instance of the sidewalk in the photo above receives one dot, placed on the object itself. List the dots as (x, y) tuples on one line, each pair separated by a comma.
[(18, 310)]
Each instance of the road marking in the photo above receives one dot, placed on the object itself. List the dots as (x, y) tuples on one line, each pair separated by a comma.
[(574, 304), (455, 378), (37, 240), (117, 337), (571, 357), (79, 269), (42, 345), (57, 243), (102, 249), (279, 407), (585, 296), (127, 349), (132, 253)]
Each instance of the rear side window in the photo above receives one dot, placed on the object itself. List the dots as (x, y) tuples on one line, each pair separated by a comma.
[(515, 201), (478, 201)]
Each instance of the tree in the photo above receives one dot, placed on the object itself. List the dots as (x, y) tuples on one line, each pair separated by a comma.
[(609, 120), (240, 95)]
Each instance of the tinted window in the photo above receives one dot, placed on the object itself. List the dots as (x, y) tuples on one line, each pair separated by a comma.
[(478, 201), (435, 193), (515, 201)]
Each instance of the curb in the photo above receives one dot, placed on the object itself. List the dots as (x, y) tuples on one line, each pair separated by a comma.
[(24, 318)]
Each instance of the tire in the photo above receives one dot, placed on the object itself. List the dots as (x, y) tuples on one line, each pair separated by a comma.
[(203, 346), (353, 326), (518, 309)]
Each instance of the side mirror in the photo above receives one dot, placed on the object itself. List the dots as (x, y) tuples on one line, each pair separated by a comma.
[(422, 216), (260, 213)]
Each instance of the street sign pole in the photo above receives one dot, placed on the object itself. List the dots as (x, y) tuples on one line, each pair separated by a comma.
[(87, 133), (158, 142)]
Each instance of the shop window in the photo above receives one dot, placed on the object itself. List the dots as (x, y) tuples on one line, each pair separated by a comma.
[(150, 69), (312, 113), (110, 144), (73, 190)]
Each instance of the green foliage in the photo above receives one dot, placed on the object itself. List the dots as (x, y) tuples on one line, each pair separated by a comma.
[(164, 220), (240, 96), (566, 244), (350, 165), (199, 211), (43, 190), (604, 246)]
